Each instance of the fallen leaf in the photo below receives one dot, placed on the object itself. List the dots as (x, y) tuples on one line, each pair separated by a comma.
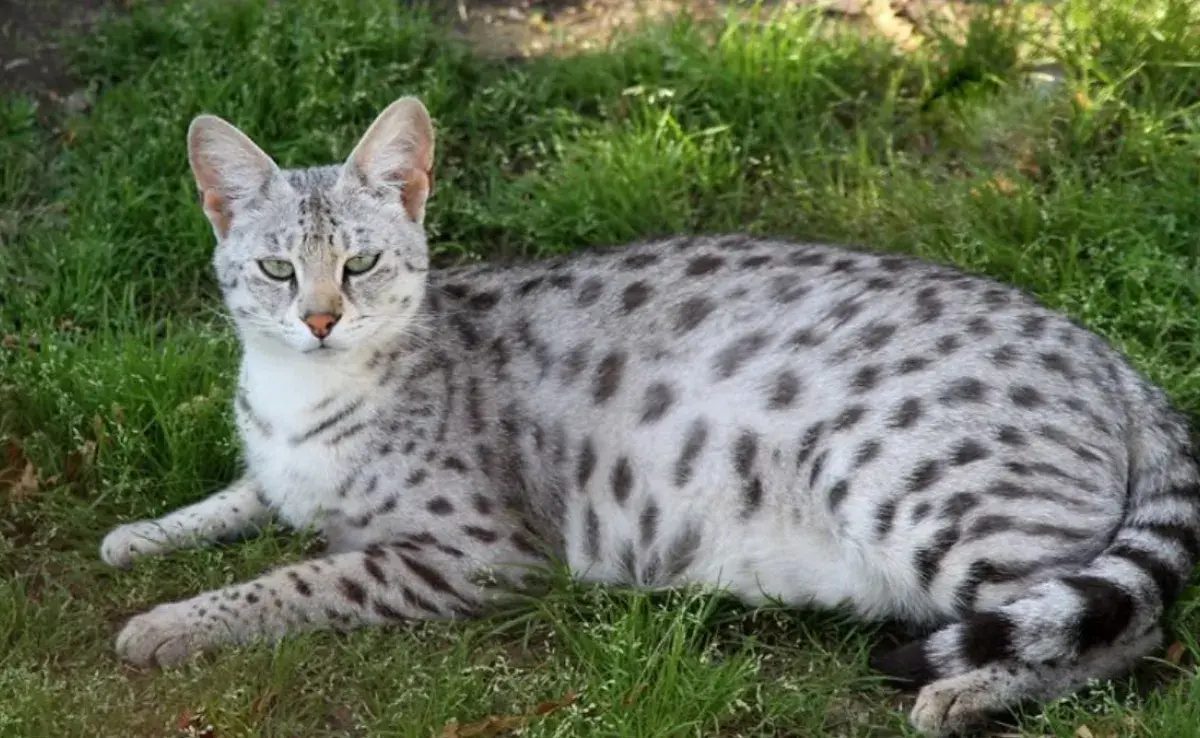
[(185, 720), (1003, 184), (494, 725), (193, 725), (10, 341), (550, 706), (1176, 652), (28, 485), (18, 475), (895, 28), (1084, 731), (340, 717), (490, 726), (1027, 163)]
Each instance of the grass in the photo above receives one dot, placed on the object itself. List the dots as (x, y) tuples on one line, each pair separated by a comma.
[(116, 367)]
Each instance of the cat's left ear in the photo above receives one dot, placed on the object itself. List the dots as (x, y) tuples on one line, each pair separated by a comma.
[(396, 152)]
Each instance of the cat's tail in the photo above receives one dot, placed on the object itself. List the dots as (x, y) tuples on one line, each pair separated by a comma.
[(1106, 612)]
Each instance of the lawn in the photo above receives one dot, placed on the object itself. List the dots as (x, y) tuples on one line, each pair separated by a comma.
[(116, 365)]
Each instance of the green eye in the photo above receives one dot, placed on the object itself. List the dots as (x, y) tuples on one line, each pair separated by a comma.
[(361, 263), (277, 268)]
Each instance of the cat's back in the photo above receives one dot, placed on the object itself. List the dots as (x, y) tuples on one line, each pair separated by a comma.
[(721, 304), (791, 341)]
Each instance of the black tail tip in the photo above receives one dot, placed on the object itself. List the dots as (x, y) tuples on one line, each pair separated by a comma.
[(906, 666)]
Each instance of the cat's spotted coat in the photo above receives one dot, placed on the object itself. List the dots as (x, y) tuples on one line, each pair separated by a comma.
[(792, 421)]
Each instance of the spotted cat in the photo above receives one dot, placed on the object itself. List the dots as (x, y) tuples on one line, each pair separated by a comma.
[(790, 421)]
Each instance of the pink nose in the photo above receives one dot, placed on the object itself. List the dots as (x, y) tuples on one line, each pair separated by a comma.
[(321, 324)]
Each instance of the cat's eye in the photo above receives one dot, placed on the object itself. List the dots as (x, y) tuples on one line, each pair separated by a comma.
[(277, 268), (361, 263)]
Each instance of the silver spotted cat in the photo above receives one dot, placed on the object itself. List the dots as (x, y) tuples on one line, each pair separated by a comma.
[(788, 421)]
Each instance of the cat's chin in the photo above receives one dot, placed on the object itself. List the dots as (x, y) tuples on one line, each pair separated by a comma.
[(323, 350)]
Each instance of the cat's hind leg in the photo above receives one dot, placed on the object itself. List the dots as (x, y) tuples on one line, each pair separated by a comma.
[(956, 704), (228, 513)]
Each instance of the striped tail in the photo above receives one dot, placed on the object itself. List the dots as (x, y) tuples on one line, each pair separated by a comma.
[(1098, 620)]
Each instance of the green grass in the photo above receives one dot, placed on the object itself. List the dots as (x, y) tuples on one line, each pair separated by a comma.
[(116, 367)]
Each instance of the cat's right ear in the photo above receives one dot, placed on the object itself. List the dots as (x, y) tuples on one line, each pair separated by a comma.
[(230, 170)]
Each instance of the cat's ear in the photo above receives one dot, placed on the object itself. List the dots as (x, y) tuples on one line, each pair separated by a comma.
[(396, 152), (230, 170)]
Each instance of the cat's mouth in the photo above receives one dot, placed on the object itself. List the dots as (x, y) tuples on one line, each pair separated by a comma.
[(320, 349)]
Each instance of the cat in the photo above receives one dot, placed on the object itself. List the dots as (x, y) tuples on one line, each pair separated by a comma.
[(790, 422)]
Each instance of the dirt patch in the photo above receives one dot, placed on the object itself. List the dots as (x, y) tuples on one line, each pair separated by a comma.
[(32, 60), (524, 28)]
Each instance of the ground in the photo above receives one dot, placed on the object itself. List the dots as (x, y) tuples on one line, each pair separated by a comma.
[(116, 365)]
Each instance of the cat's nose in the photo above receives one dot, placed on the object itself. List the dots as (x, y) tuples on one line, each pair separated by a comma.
[(321, 324)]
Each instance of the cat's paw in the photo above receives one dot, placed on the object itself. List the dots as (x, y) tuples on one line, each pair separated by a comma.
[(131, 541), (948, 707), (165, 636)]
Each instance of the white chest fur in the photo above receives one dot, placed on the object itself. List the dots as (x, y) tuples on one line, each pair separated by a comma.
[(285, 398)]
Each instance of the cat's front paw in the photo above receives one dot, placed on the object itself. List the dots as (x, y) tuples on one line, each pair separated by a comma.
[(165, 636), (128, 542)]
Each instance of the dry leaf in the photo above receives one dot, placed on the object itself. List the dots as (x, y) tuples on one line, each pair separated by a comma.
[(27, 486), (1027, 163), (193, 725), (895, 28), (1176, 652), (340, 717), (184, 721), (1002, 184), (494, 725), (550, 706), (18, 475), (490, 726), (1084, 731), (10, 341)]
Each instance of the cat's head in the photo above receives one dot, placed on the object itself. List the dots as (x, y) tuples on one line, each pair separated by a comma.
[(320, 260)]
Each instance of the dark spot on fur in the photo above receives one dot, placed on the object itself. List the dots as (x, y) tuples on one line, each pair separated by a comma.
[(608, 377), (693, 312), (924, 475), (706, 264), (622, 480), (906, 414), (693, 444), (352, 590), (784, 389), (589, 292), (634, 296), (1022, 395), (913, 364), (968, 451), (658, 400), (440, 506)]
